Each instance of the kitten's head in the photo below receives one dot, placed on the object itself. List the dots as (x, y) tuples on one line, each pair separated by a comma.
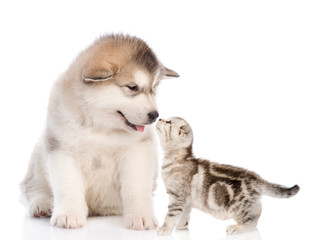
[(174, 133)]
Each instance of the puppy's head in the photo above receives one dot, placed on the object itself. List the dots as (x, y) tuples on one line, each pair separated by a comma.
[(118, 80)]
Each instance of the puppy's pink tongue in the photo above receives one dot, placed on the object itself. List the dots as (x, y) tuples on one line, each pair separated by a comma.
[(140, 128)]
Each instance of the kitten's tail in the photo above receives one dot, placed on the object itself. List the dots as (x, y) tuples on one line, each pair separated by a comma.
[(278, 191)]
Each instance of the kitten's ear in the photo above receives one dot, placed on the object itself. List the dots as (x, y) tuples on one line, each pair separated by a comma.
[(183, 131)]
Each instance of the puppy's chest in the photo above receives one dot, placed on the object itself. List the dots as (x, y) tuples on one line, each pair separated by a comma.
[(100, 160)]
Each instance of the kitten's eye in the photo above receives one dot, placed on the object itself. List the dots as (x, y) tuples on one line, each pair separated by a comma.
[(169, 122), (133, 87)]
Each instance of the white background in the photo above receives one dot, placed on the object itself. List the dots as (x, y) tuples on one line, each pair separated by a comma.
[(245, 88)]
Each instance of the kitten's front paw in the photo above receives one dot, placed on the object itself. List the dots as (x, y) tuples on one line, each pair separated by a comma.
[(185, 227), (164, 230), (182, 226), (68, 220), (233, 229), (140, 222), (236, 229)]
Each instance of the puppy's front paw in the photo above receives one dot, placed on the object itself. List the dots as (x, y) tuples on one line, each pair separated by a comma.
[(67, 220), (164, 230), (140, 222), (40, 208)]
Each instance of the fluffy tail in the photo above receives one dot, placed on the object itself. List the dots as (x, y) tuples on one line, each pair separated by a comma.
[(278, 191)]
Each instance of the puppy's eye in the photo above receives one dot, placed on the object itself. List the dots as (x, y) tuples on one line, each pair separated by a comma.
[(133, 88), (169, 122)]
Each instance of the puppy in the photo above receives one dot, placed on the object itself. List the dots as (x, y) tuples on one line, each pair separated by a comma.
[(97, 154)]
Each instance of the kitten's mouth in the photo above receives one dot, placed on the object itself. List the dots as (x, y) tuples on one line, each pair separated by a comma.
[(138, 128), (158, 128)]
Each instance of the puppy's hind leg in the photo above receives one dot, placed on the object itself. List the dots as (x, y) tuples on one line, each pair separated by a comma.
[(35, 187)]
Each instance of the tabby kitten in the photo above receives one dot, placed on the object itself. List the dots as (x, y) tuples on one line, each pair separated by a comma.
[(221, 190)]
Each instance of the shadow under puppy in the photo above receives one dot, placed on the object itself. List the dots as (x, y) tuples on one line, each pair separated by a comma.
[(224, 191)]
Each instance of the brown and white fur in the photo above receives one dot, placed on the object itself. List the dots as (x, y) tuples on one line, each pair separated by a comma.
[(223, 191), (97, 154)]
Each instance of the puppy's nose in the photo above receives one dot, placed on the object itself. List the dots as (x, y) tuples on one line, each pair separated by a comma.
[(153, 116)]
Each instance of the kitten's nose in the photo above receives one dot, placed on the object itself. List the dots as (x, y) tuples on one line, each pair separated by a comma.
[(153, 116)]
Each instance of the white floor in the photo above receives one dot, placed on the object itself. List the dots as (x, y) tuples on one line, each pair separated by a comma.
[(281, 219), (107, 228)]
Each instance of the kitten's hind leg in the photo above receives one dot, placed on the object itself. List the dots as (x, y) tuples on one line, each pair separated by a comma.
[(241, 228), (247, 219), (184, 218)]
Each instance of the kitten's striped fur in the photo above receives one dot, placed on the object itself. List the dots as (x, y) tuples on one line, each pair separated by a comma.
[(221, 190)]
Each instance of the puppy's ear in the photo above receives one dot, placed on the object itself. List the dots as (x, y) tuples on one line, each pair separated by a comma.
[(168, 73), (97, 79), (99, 74)]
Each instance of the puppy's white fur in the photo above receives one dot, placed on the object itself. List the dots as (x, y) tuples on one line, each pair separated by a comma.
[(90, 160)]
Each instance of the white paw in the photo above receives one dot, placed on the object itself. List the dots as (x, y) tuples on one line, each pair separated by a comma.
[(164, 230), (67, 221), (182, 226), (140, 222), (233, 229), (40, 208), (236, 229)]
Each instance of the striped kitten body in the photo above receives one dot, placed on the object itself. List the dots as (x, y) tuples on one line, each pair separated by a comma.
[(223, 191)]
